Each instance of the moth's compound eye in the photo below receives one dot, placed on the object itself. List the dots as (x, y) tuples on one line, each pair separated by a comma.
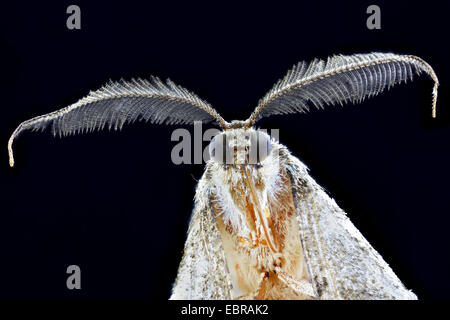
[(260, 147), (217, 147)]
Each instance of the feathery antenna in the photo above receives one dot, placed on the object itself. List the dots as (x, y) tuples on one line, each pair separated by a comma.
[(340, 79), (123, 102)]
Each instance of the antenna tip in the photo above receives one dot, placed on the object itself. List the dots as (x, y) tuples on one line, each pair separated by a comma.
[(10, 151)]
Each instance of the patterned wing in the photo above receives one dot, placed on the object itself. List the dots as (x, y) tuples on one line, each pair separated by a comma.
[(342, 263), (202, 274)]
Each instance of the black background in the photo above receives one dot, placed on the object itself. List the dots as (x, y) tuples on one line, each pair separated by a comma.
[(114, 203)]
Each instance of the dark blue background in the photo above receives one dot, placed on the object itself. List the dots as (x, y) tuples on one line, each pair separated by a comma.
[(115, 204)]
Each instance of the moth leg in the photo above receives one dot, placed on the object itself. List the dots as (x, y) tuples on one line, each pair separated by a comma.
[(264, 286), (278, 285), (255, 294), (261, 293), (302, 287)]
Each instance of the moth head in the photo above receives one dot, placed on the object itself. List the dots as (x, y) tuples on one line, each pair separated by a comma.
[(240, 146)]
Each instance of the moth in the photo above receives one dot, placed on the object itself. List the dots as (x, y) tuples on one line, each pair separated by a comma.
[(261, 227)]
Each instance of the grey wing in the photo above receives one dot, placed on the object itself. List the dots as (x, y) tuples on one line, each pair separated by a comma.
[(202, 274), (342, 263)]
